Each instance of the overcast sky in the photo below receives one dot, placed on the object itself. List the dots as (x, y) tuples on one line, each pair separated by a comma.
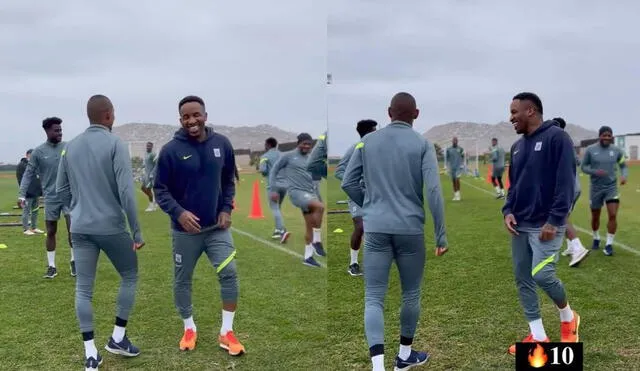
[(465, 60), (252, 61)]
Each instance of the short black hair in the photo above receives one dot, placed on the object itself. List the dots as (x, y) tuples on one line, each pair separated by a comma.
[(150, 143), (364, 126), (531, 97), (29, 151), (272, 142), (560, 121), (304, 136), (191, 99), (496, 139), (605, 129), (50, 121)]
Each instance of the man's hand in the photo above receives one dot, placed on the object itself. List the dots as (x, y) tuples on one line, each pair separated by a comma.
[(510, 223), (21, 202), (601, 172), (441, 251), (548, 232), (138, 245), (274, 197), (224, 220), (189, 222), (623, 180)]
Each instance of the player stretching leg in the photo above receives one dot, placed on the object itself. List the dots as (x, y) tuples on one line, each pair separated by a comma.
[(363, 127), (302, 194), (455, 159), (497, 161), (267, 160), (600, 162)]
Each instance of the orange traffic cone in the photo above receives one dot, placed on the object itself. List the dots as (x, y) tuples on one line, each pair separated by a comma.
[(489, 174), (256, 205)]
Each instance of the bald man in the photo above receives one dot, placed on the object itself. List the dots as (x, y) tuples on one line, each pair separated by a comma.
[(95, 181), (393, 221), (455, 162)]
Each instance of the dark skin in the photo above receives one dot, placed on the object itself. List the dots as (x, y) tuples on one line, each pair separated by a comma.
[(144, 189), (403, 108), (193, 118), (606, 139), (456, 181), (101, 112)]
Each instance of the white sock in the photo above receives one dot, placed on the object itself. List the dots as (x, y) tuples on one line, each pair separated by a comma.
[(90, 349), (354, 256), (405, 352), (71, 251), (189, 324), (596, 235), (118, 333), (577, 243), (497, 189), (537, 330), (308, 251), (51, 257), (566, 314), (317, 234), (378, 362), (610, 238), (227, 322)]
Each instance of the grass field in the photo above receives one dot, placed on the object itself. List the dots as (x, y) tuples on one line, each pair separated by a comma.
[(470, 311), (281, 316)]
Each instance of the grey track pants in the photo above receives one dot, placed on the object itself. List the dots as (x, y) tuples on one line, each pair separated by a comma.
[(275, 207), (380, 250), (187, 249), (30, 214), (119, 249)]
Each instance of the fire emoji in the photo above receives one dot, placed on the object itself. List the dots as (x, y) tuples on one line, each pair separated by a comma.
[(537, 356)]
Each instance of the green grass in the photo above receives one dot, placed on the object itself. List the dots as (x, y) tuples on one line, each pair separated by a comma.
[(470, 311), (280, 317)]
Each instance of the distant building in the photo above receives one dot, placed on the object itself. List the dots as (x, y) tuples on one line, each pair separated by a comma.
[(630, 144)]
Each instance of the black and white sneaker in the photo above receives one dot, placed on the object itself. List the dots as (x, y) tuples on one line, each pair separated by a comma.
[(123, 348), (277, 234), (51, 272), (354, 270), (92, 364)]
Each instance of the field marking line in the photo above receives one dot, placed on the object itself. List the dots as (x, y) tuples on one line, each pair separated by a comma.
[(271, 244), (578, 228)]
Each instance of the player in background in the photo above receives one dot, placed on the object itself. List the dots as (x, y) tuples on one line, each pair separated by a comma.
[(44, 162), (574, 246), (31, 206), (396, 164), (267, 160), (195, 186), (455, 161), (497, 163), (317, 162), (542, 177), (149, 174), (95, 181), (302, 193), (363, 128), (600, 161)]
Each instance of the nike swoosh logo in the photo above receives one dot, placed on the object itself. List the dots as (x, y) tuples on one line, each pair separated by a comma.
[(186, 157), (515, 152)]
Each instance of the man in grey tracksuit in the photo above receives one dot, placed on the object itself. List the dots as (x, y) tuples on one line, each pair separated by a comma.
[(44, 162), (267, 160), (497, 164), (95, 181), (31, 206), (363, 127), (455, 162), (317, 163), (394, 217)]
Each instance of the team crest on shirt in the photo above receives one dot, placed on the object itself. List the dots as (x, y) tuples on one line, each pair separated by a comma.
[(538, 146), (216, 152)]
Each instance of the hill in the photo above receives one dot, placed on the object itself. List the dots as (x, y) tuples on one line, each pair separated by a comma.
[(469, 133)]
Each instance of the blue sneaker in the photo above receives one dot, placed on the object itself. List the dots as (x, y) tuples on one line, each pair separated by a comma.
[(91, 364), (415, 359), (596, 245), (123, 348), (317, 247), (608, 250), (311, 262)]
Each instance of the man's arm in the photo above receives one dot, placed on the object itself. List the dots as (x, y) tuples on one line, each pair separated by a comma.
[(494, 155), (126, 189), (277, 167), (228, 179), (32, 168), (586, 163), (565, 179), (263, 167), (352, 176), (508, 205), (63, 188), (344, 161), (622, 163), (317, 162), (431, 179), (161, 183)]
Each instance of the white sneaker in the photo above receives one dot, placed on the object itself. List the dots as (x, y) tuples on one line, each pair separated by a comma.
[(38, 231), (28, 233), (149, 208), (577, 255), (568, 251)]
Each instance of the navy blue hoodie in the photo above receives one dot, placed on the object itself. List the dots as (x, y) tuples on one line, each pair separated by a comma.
[(195, 176), (542, 176)]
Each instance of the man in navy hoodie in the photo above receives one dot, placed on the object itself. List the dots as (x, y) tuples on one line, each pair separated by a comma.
[(542, 177), (195, 185)]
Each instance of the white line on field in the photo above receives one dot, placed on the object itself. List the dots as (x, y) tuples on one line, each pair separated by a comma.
[(585, 231), (271, 244)]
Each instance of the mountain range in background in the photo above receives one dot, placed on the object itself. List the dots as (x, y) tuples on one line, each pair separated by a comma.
[(241, 137), (470, 133)]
